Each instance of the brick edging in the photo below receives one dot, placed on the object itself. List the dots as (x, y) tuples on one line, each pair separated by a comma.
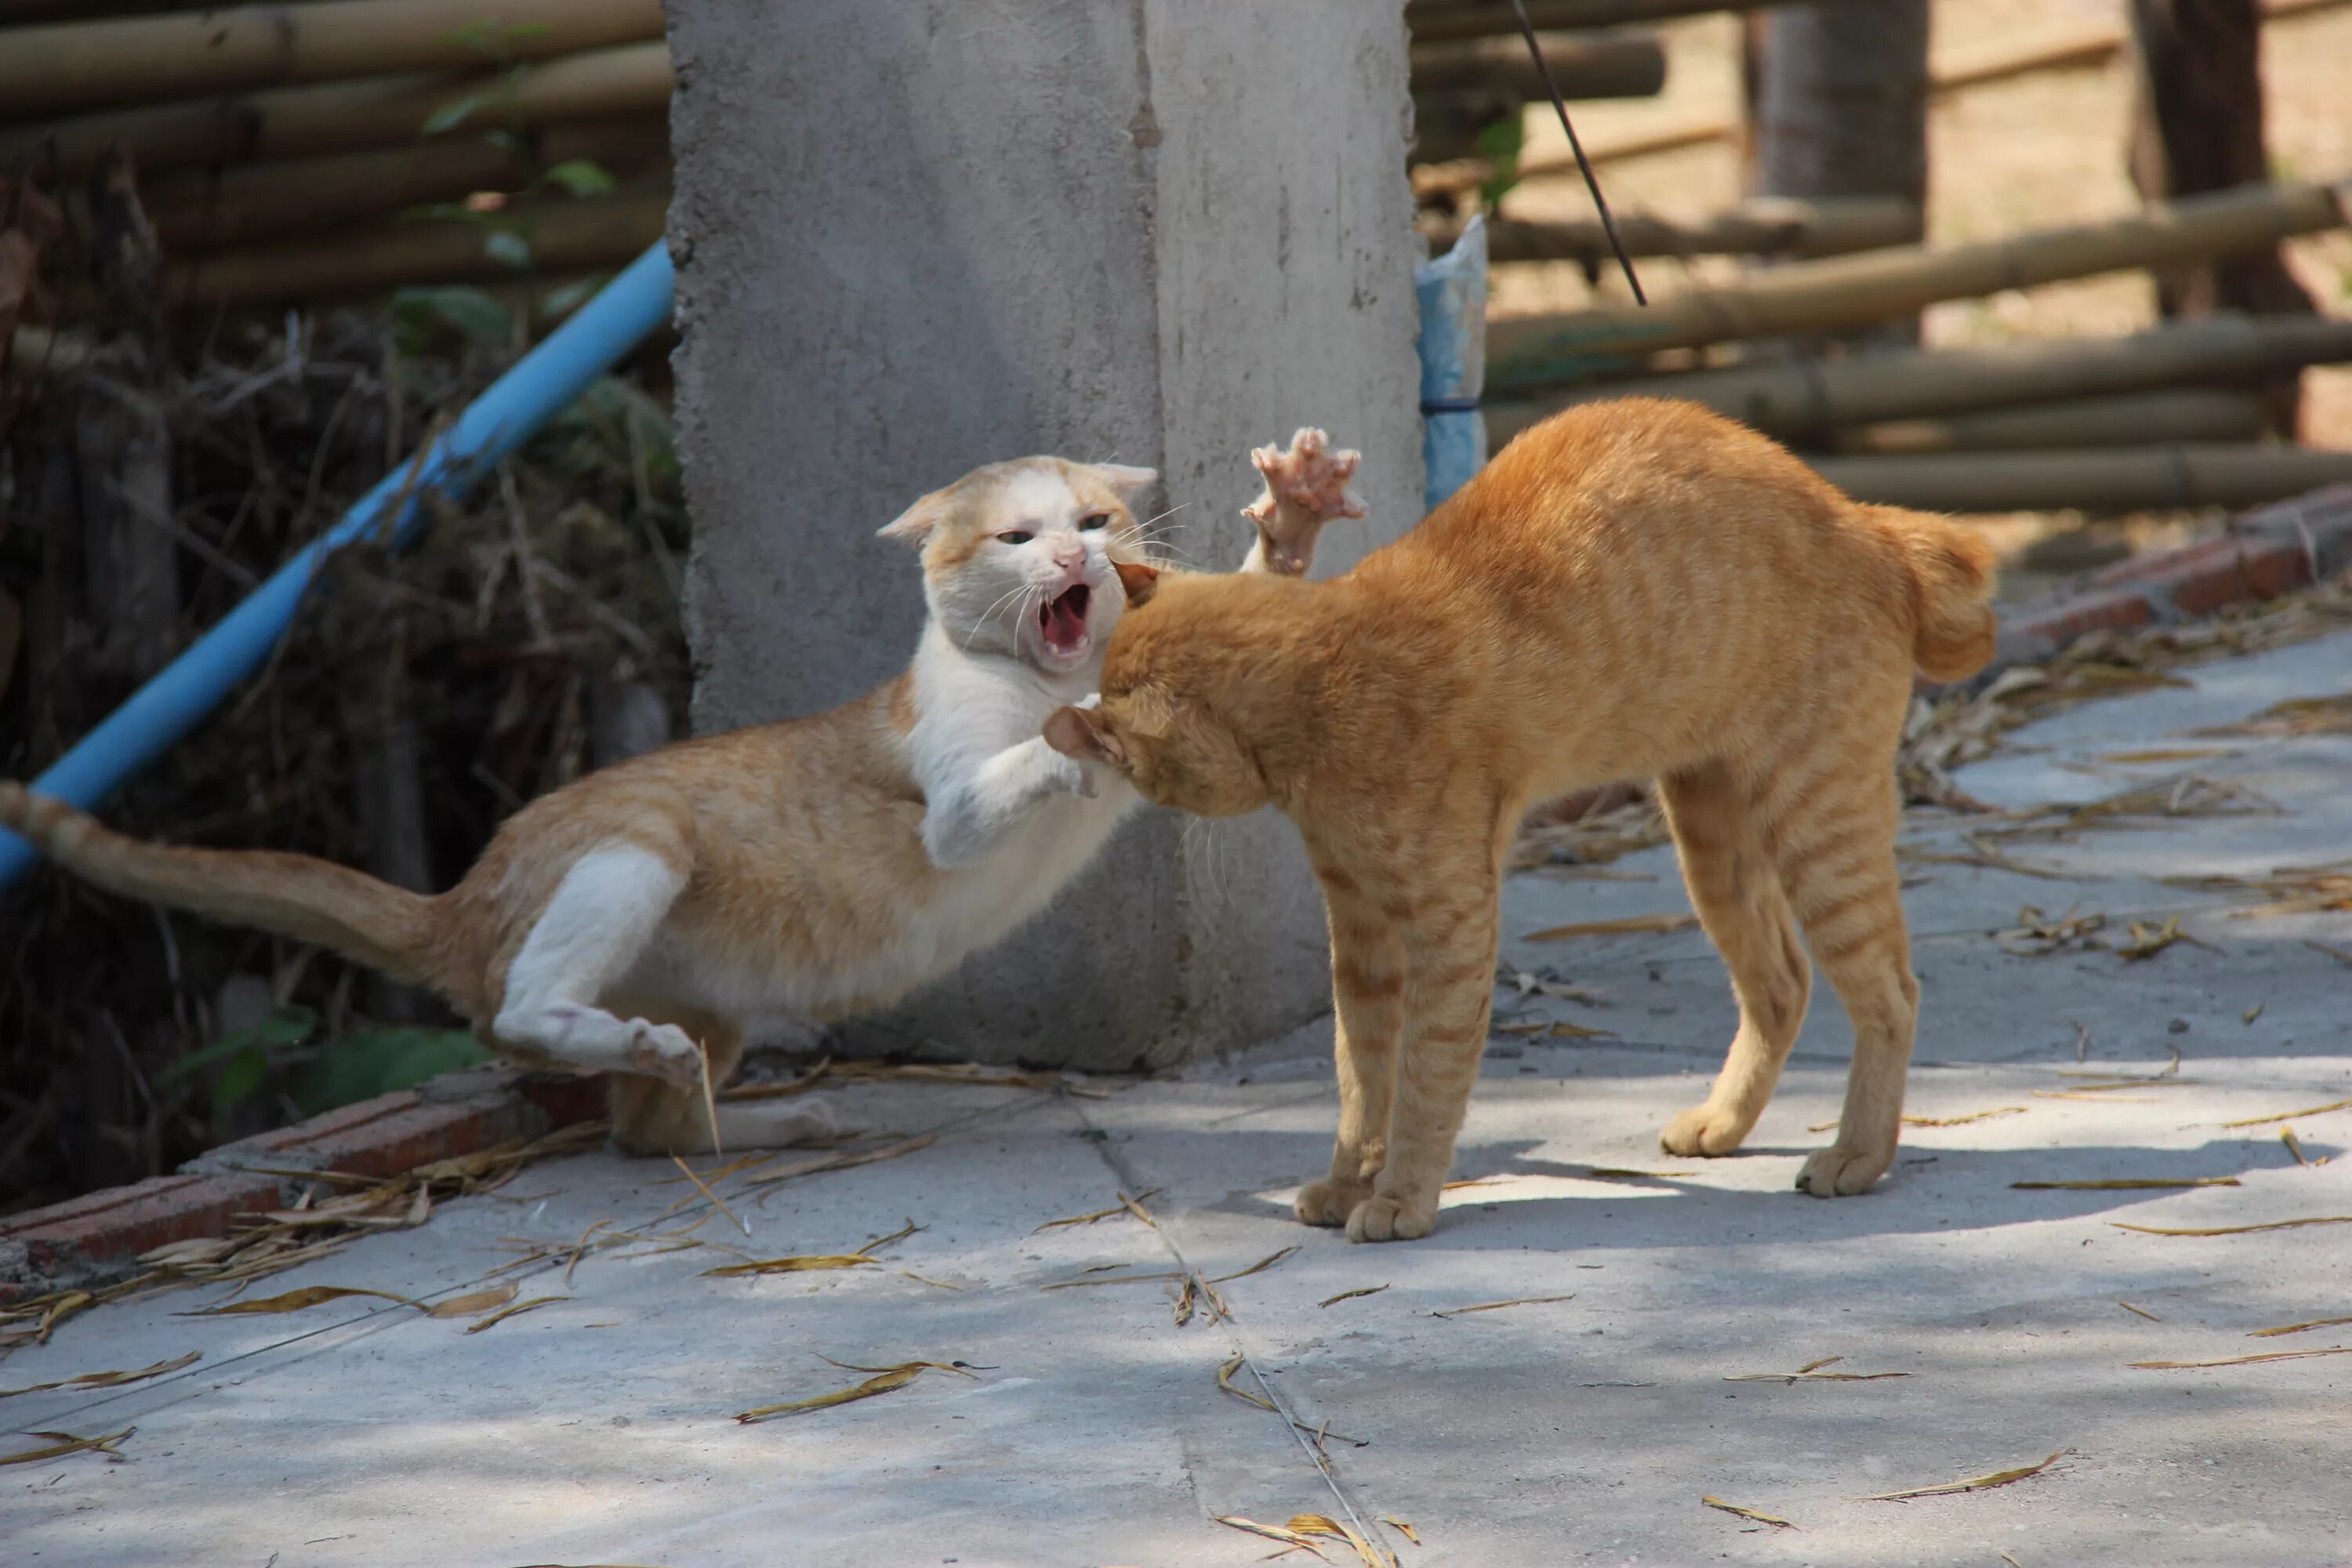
[(96, 1239)]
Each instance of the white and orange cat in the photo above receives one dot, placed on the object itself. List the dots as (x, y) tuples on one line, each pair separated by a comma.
[(813, 869), (1636, 589)]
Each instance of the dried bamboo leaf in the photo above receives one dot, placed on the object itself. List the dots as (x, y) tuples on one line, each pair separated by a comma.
[(2291, 1115), (1626, 926), (1114, 1212), (2236, 1229), (2296, 1328), (1351, 1295), (1290, 1538), (106, 1379), (520, 1308), (1997, 1111), (1622, 1174), (961, 1368), (2253, 1013), (2293, 1145), (1122, 1280), (2133, 1184), (2170, 755), (1973, 1484), (2140, 1312), (2341, 955), (1269, 1261), (1186, 1300), (796, 1265), (295, 1301), (1756, 1514), (1367, 1554), (766, 1186), (699, 1184), (1807, 1375), (67, 1443), (1226, 1381), (1496, 1306), (1561, 1029), (929, 1281), (473, 1302), (1403, 1529), (898, 1377), (2236, 1360)]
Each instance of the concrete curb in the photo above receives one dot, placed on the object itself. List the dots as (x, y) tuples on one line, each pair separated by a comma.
[(96, 1240)]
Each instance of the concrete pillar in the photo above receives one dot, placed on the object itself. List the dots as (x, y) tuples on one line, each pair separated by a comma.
[(917, 236)]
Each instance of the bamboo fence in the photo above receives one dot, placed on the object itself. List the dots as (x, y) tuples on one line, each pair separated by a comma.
[(1763, 226), (2132, 419), (1435, 21), (1803, 400), (2124, 479), (1854, 290), (1585, 65)]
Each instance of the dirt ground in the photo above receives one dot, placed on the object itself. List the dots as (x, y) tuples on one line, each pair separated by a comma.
[(2036, 151)]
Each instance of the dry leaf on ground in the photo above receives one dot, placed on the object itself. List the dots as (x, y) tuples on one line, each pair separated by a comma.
[(67, 1443), (1756, 1514), (1289, 1538), (1225, 1383), (2236, 1360), (2296, 1328), (1351, 1295), (106, 1379), (2131, 1184), (1626, 926), (1401, 1528), (520, 1308), (473, 1301), (886, 1378), (2291, 1115), (2140, 1311), (1497, 1306), (294, 1301), (1810, 1372), (1369, 1556), (1266, 1262), (1116, 1211), (1973, 1484), (2234, 1230)]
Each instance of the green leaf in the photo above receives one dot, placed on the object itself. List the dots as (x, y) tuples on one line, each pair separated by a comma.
[(507, 247), (289, 1025), (422, 314), (1501, 145), (563, 300), (450, 116), (378, 1061), (579, 177), (240, 1080)]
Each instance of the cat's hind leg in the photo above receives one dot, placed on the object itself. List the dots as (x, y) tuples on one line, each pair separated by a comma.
[(1736, 887), (1837, 861), (1368, 1014), (654, 1116), (603, 914)]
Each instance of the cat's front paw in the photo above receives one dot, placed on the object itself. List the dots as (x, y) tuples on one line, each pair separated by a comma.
[(1838, 1172), (1306, 486), (1070, 777), (1391, 1219), (665, 1051), (1702, 1129), (1329, 1202)]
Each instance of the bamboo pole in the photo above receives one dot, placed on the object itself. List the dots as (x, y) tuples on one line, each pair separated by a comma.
[(1949, 71), (342, 117), (1763, 226), (564, 236), (1627, 65), (83, 65), (204, 209), (2123, 478), (2133, 419), (1441, 21), (1803, 400), (1850, 291)]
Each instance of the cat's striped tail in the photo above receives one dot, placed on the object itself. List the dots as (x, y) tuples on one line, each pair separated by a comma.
[(299, 896), (1951, 569)]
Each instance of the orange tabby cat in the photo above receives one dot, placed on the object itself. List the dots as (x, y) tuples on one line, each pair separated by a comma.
[(1631, 589)]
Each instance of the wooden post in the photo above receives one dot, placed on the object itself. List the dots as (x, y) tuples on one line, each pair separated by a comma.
[(2198, 126), (1841, 111)]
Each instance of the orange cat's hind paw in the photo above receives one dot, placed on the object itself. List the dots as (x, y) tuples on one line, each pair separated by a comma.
[(1391, 1219), (1330, 1202), (1839, 1173)]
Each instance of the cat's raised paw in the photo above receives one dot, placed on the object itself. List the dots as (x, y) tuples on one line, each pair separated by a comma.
[(1837, 1172), (1702, 1129), (1305, 486), (665, 1051), (1330, 1202), (1390, 1219)]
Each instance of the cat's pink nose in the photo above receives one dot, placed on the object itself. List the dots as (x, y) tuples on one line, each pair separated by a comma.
[(1070, 558)]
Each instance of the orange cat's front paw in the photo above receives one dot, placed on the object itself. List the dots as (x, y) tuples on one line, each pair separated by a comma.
[(1702, 1129), (1305, 486), (1330, 1202), (1840, 1172), (1391, 1219)]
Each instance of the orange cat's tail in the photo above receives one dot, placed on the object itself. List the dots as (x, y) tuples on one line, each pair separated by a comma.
[(299, 896), (1951, 572)]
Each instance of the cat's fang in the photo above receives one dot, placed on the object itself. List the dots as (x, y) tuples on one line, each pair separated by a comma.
[(1064, 622)]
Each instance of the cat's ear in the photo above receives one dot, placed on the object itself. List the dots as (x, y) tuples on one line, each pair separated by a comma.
[(1130, 485), (1084, 734), (915, 524), (1140, 582)]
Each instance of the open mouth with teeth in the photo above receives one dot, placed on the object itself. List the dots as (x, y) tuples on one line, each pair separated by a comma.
[(1063, 623)]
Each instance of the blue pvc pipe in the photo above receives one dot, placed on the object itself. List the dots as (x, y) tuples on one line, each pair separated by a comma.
[(177, 701)]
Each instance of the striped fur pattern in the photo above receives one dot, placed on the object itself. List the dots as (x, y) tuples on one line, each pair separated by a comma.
[(637, 922), (1631, 589)]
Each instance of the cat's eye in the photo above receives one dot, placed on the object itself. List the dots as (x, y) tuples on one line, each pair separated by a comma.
[(1095, 520), (1015, 537)]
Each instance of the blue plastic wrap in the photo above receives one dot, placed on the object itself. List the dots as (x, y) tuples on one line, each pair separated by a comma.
[(1453, 293)]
